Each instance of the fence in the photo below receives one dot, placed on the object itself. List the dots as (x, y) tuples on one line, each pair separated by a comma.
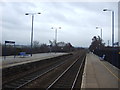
[(112, 55)]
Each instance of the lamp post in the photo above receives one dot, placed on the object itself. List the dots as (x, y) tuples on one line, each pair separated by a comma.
[(112, 24), (32, 14), (108, 42), (101, 31), (56, 35)]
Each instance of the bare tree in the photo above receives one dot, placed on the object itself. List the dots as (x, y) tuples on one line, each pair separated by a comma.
[(96, 43), (36, 44)]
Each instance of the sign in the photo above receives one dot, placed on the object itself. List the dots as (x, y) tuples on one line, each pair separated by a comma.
[(9, 42), (12, 42)]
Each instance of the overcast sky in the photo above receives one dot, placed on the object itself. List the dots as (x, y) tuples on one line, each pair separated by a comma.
[(78, 21)]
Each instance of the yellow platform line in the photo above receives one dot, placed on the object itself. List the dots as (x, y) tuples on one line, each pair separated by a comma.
[(110, 71)]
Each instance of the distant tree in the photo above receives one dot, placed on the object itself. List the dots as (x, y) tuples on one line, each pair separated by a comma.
[(44, 48), (61, 44), (36, 44), (69, 45), (51, 43), (96, 43)]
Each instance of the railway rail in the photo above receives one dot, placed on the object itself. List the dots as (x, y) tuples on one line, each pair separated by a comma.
[(67, 79), (22, 81)]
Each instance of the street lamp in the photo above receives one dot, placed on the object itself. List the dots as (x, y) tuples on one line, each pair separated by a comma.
[(112, 24), (55, 34), (100, 29), (32, 14)]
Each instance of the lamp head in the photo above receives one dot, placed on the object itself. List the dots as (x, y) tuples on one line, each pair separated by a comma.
[(97, 27), (39, 13), (59, 27), (26, 14), (105, 9)]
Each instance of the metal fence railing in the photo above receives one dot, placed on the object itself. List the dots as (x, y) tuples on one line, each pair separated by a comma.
[(112, 55)]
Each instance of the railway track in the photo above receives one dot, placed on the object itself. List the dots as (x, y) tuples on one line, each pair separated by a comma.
[(22, 81), (69, 77)]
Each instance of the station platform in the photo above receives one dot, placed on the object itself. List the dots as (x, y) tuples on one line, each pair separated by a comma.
[(100, 74), (11, 61)]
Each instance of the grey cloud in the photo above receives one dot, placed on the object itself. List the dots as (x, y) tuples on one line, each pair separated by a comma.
[(78, 21)]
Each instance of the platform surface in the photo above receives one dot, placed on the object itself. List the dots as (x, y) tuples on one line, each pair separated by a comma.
[(99, 74), (11, 61)]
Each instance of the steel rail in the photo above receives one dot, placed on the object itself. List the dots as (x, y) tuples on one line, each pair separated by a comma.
[(61, 74), (36, 76), (78, 73)]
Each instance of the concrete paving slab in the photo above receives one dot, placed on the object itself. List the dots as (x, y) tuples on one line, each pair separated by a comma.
[(11, 61), (99, 74)]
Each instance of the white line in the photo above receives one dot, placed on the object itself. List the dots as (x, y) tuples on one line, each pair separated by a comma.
[(84, 74), (77, 74)]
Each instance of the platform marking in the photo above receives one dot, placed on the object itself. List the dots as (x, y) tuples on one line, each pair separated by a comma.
[(110, 71)]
